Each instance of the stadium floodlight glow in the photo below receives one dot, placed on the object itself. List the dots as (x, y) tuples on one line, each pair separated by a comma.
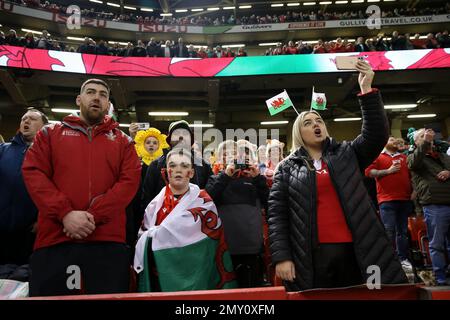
[(166, 14), (270, 123), (198, 46), (347, 119), (267, 44), (123, 43), (75, 38), (213, 9), (309, 3), (325, 2), (53, 121), (62, 110), (417, 116), (96, 1), (274, 5), (147, 9), (32, 31), (233, 45), (113, 4), (341, 2), (201, 125), (389, 0), (357, 1), (293, 4), (168, 113), (181, 10), (197, 10), (373, 0), (401, 106), (229, 8), (124, 125), (129, 8), (245, 7)]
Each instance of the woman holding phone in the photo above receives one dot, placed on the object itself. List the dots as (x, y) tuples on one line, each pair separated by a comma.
[(323, 228)]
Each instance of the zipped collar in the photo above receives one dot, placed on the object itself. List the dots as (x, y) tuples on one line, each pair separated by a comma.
[(76, 123), (18, 139)]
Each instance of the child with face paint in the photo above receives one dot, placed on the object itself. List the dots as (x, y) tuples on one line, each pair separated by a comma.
[(240, 193), (180, 136), (181, 235)]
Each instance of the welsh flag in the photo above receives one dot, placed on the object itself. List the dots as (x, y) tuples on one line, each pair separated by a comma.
[(187, 250), (279, 103), (318, 101)]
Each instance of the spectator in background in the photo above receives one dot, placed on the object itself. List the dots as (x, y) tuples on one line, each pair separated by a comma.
[(211, 53), (360, 46), (291, 48), (44, 42), (167, 50), (431, 42), (274, 155), (153, 48), (242, 52), (128, 51), (28, 41), (417, 42), (84, 47), (382, 44), (180, 49), (191, 52), (18, 214), (102, 49), (319, 47), (262, 158), (219, 52), (398, 42), (202, 53), (240, 193), (444, 40), (408, 43), (12, 38), (391, 173), (56, 46), (430, 172), (278, 50), (82, 209), (115, 49), (139, 50), (228, 53)]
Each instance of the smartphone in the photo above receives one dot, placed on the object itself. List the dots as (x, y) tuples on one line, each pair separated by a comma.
[(143, 125), (240, 166), (347, 62)]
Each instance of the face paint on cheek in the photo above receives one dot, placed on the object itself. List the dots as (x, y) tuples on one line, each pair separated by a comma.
[(187, 175), (170, 173)]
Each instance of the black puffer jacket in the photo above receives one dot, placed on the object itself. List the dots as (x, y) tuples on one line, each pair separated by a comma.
[(292, 202)]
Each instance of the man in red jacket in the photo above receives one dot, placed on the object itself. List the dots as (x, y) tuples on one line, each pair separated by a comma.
[(391, 173), (81, 174)]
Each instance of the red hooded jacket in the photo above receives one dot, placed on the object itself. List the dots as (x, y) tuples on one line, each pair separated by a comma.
[(73, 167)]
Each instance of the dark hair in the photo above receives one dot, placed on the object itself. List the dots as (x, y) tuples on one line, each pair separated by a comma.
[(43, 116), (95, 81)]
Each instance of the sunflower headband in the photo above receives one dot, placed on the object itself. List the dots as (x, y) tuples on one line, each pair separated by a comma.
[(140, 138)]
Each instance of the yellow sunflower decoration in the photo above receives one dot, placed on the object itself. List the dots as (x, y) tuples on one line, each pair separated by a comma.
[(140, 138)]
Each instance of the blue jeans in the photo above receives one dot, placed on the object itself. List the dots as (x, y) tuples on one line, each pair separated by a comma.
[(437, 218), (394, 215)]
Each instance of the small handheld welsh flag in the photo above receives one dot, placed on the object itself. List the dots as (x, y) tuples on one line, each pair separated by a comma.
[(279, 103), (318, 101)]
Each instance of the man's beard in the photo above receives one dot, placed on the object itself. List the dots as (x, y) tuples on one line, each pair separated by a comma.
[(93, 117)]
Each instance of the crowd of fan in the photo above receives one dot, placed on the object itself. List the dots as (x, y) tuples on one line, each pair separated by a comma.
[(154, 48), (379, 42), (201, 20)]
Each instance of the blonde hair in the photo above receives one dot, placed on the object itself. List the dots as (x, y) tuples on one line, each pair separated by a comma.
[(297, 140)]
